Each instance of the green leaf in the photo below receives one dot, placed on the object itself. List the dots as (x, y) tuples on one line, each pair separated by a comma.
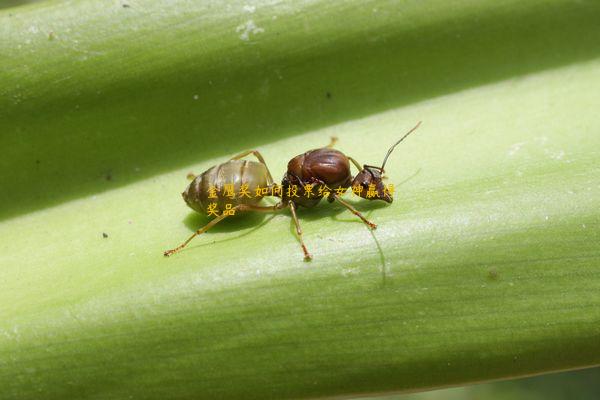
[(484, 267)]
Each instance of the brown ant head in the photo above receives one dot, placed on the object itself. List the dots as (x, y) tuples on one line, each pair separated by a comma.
[(370, 179), (371, 184)]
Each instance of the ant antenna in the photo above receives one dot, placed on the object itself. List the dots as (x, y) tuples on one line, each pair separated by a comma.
[(395, 144)]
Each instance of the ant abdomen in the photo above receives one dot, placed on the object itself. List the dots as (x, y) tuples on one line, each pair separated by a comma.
[(234, 182)]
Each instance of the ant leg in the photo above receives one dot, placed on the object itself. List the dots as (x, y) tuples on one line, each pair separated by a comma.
[(198, 232), (250, 207), (260, 158), (355, 212), (356, 164), (334, 139), (240, 207), (307, 256)]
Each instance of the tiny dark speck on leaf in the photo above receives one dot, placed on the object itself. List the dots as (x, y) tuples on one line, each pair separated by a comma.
[(126, 6), (108, 176), (328, 94), (37, 162), (104, 235), (493, 274)]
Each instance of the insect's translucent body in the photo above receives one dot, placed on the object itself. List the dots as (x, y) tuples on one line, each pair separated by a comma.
[(233, 172)]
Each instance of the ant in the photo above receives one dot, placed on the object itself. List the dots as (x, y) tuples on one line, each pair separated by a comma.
[(325, 170)]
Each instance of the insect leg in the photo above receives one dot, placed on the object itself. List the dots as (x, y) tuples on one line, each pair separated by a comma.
[(355, 212), (307, 256), (198, 232), (334, 139), (356, 164), (260, 158), (250, 207)]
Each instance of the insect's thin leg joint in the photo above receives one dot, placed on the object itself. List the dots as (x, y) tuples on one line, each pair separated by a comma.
[(356, 164), (355, 212), (307, 256), (259, 157), (332, 142), (249, 207), (198, 232)]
